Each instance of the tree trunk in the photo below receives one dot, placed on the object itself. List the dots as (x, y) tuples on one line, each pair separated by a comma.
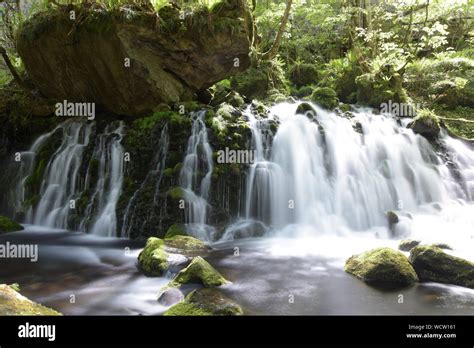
[(273, 51), (10, 66)]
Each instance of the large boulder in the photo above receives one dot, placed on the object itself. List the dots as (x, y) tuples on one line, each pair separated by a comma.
[(129, 60), (382, 267), (205, 302), (434, 265), (199, 271), (8, 225), (13, 303)]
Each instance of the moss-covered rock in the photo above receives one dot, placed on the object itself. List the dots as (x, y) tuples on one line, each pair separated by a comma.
[(432, 264), (8, 225), (408, 244), (176, 230), (326, 97), (426, 123), (13, 303), (303, 108), (199, 271), (205, 302), (169, 296), (141, 58), (186, 243), (153, 259), (382, 266)]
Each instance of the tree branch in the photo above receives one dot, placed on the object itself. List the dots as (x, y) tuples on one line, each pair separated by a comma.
[(10, 66), (273, 51)]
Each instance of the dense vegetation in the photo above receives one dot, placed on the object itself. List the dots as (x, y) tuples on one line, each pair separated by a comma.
[(358, 51)]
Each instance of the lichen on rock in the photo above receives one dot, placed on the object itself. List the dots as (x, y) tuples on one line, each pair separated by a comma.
[(199, 271)]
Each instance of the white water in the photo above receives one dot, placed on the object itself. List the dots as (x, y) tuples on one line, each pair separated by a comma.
[(63, 182), (321, 177), (110, 152), (61, 177), (195, 178)]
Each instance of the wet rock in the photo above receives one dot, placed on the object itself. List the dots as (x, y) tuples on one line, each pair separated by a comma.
[(432, 264), (205, 302), (13, 303), (186, 243), (153, 259), (199, 271), (382, 267), (8, 225), (426, 124), (303, 108), (408, 244), (170, 296)]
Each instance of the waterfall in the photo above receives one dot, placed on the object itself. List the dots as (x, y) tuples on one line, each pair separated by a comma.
[(156, 174), (341, 174), (61, 176), (63, 182), (195, 177), (110, 153)]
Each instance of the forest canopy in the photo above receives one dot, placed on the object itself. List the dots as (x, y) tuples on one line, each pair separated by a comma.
[(353, 51)]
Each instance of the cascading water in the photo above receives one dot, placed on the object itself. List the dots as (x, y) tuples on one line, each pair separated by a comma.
[(195, 177), (340, 174), (109, 152), (61, 176), (155, 174), (63, 182)]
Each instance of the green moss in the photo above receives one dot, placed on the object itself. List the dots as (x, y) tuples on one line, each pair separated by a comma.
[(183, 241), (153, 259), (13, 303), (186, 309), (433, 264), (176, 230), (205, 302), (426, 123), (325, 96), (382, 266), (176, 193), (199, 271), (8, 225)]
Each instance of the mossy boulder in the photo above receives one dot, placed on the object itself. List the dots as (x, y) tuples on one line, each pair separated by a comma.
[(176, 230), (13, 303), (186, 243), (432, 264), (304, 107), (205, 302), (426, 123), (408, 244), (8, 225), (199, 271), (382, 267), (153, 259), (326, 97), (140, 58)]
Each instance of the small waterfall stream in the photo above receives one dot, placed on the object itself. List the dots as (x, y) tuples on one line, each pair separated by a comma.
[(195, 178)]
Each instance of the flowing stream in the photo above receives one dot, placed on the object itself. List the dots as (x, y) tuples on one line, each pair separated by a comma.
[(319, 191)]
